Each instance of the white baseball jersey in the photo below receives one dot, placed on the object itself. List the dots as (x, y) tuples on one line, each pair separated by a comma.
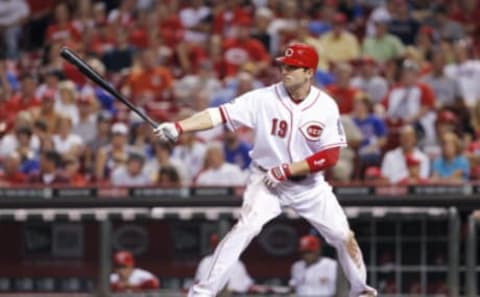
[(318, 279), (139, 280), (238, 279), (277, 121)]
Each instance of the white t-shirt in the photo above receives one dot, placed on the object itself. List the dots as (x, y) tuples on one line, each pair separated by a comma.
[(226, 175), (136, 279), (238, 278), (395, 169), (318, 279), (121, 177), (9, 144), (63, 145), (192, 157)]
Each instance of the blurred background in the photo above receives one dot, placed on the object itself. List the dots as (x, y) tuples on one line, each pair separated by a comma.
[(82, 178)]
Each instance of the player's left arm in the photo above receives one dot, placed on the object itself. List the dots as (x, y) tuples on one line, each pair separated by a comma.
[(316, 162)]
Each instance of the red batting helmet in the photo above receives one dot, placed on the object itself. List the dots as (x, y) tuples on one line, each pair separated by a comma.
[(123, 258), (309, 243), (300, 55)]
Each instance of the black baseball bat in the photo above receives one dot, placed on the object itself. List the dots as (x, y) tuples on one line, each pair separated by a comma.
[(88, 71)]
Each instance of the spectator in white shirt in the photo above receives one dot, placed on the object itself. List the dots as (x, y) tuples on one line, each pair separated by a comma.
[(131, 174), (394, 163), (368, 80), (192, 153), (217, 172), (65, 141), (313, 275), (12, 14)]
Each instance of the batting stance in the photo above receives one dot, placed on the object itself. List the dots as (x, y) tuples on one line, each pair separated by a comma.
[(298, 134)]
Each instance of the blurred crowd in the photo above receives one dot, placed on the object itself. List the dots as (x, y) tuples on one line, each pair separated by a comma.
[(404, 74)]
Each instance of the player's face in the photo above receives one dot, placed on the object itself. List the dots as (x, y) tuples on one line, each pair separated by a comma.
[(295, 77)]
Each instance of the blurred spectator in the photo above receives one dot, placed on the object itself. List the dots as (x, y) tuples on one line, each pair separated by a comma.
[(373, 175), (72, 168), (65, 103), (10, 142), (128, 278), (373, 131), (194, 18), (263, 19), (217, 172), (410, 102), (28, 155), (283, 26), (163, 158), (122, 16), (239, 281), (168, 177), (445, 27), (67, 143), (343, 93), (62, 28), (46, 111), (394, 162), (339, 44), (451, 166), (243, 51), (344, 169), (50, 170), (148, 79), (114, 153), (369, 81), (466, 71), (313, 275), (382, 46), (11, 174), (226, 14), (234, 87), (12, 17), (446, 89), (120, 56), (236, 150), (131, 174), (381, 12), (414, 175), (402, 24), (86, 125), (191, 152), (26, 97)]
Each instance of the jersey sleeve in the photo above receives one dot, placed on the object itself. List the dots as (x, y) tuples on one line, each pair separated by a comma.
[(240, 112), (333, 134)]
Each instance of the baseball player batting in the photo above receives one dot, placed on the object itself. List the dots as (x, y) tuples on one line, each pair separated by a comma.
[(298, 134)]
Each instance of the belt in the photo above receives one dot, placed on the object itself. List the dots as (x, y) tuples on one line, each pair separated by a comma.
[(293, 178)]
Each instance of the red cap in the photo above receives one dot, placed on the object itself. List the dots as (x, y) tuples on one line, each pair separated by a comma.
[(243, 21), (309, 243), (123, 258), (446, 116), (49, 94), (300, 55), (214, 240), (339, 18), (368, 60), (373, 172), (411, 161)]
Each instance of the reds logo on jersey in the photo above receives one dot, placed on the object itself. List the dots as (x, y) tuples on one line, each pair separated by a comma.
[(312, 130)]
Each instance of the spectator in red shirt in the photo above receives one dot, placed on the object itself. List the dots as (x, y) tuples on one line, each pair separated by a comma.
[(62, 29), (243, 51), (11, 174), (26, 98), (149, 80), (128, 278), (341, 90)]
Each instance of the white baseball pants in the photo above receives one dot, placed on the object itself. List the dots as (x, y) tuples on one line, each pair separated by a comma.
[(316, 204)]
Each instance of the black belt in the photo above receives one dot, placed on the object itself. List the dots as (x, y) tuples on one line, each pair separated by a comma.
[(293, 178)]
